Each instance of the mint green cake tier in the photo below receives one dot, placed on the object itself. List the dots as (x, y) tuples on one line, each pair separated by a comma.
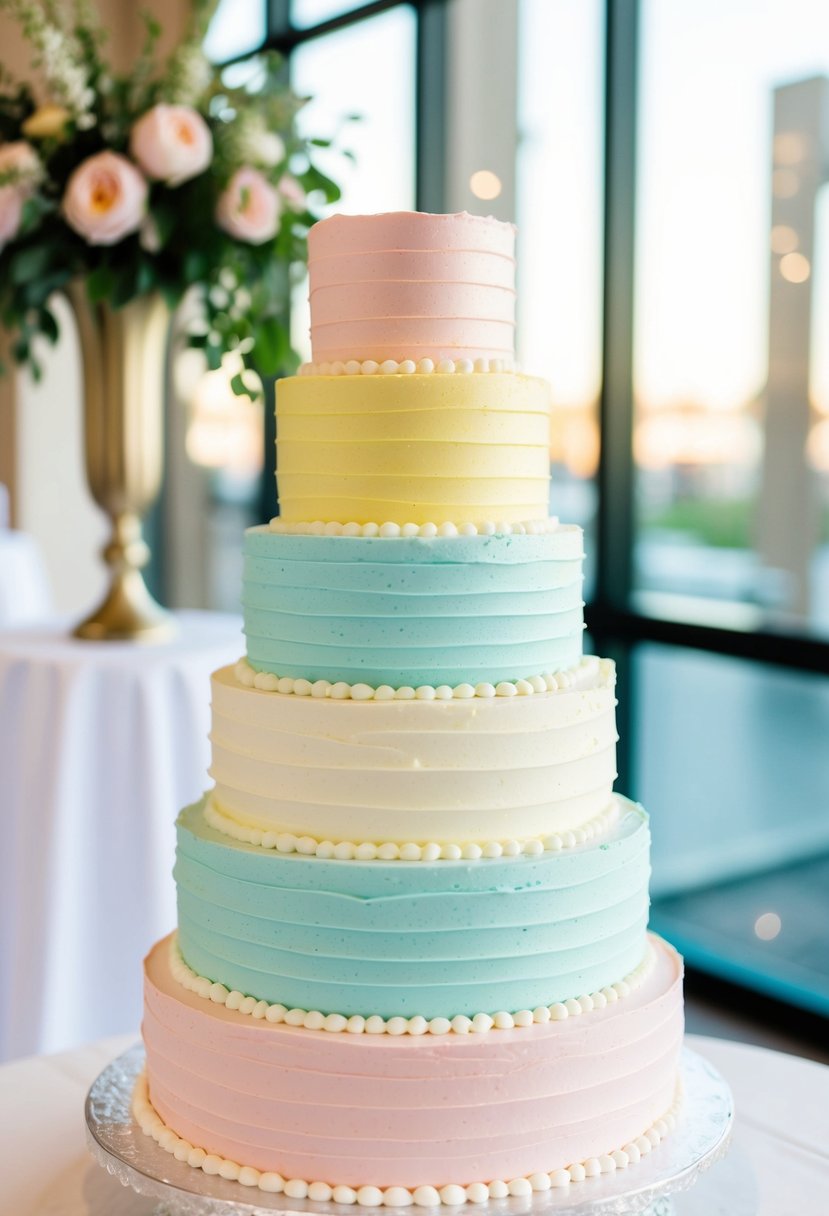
[(413, 610), (406, 938)]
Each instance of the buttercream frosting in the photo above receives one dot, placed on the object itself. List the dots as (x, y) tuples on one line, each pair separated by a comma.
[(414, 610), (414, 770), (338, 1023), (390, 850), (382, 1111), (399, 939), (406, 285), (413, 448)]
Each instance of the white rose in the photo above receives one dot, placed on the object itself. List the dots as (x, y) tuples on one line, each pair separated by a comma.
[(172, 143), (249, 208), (270, 149), (105, 199)]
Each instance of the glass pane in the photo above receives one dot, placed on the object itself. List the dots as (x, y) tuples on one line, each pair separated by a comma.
[(367, 69), (305, 13), (732, 764), (732, 303), (559, 200), (237, 27)]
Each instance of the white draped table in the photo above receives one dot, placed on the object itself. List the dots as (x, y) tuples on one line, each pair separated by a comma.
[(778, 1164), (101, 744)]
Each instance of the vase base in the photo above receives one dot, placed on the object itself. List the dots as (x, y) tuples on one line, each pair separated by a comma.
[(128, 614)]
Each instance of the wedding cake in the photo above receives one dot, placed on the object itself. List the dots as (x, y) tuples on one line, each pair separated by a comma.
[(412, 962)]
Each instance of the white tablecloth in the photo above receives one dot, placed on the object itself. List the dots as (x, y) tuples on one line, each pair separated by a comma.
[(101, 744), (25, 595), (778, 1164)]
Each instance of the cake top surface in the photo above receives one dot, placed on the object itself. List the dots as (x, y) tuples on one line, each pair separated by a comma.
[(410, 230)]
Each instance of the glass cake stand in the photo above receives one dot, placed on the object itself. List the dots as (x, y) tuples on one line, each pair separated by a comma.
[(699, 1140)]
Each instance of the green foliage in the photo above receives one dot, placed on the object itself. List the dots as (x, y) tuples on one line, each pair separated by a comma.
[(244, 287)]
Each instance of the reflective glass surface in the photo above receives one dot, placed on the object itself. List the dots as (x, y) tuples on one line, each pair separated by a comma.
[(559, 197), (732, 307)]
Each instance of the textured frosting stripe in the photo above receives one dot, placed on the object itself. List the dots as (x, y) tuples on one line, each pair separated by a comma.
[(407, 285), (389, 850), (444, 771), (450, 1195), (413, 448), (384, 1110), (337, 1023), (399, 939), (412, 610)]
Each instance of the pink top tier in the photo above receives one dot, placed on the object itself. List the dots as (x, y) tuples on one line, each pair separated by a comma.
[(407, 285)]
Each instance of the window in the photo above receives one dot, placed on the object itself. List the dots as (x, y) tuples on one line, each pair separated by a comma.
[(731, 369), (559, 200)]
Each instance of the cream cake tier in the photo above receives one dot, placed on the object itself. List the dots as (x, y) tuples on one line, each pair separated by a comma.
[(466, 769), (412, 962), (408, 1110)]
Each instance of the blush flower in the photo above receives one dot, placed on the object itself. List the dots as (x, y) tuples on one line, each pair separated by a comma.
[(105, 199), (11, 213), (20, 169), (249, 208), (172, 144)]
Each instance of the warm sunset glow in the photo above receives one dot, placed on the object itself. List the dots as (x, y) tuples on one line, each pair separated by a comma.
[(817, 446), (225, 431), (695, 438), (795, 268), (790, 148), (485, 184), (783, 239)]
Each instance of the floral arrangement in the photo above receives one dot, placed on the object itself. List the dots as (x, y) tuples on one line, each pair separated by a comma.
[(165, 178)]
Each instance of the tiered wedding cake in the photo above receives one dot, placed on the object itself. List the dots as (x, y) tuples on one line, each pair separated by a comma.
[(412, 962)]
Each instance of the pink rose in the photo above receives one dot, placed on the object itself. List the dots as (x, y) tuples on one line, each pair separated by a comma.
[(105, 199), (249, 208), (292, 193), (20, 160), (11, 212), (172, 144)]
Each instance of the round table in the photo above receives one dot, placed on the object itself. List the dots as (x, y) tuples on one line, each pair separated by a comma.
[(101, 745), (778, 1164)]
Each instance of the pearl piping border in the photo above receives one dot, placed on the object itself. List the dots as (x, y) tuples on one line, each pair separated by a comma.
[(408, 367), (489, 527), (560, 681), (346, 850), (338, 1023), (453, 1195)]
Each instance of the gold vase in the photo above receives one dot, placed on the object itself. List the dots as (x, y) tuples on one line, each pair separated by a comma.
[(123, 352)]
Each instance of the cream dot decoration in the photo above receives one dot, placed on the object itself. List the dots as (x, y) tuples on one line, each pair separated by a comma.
[(572, 679), (338, 1023), (389, 530), (408, 367), (453, 1195), (346, 850)]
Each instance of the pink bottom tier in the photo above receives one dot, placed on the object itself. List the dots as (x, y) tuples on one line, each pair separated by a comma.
[(410, 1111)]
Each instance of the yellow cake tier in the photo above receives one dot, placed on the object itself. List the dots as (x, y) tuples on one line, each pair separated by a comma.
[(413, 448)]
